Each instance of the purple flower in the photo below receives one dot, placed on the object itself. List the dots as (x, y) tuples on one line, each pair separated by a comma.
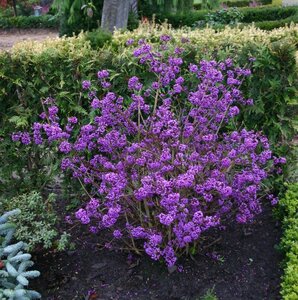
[(43, 115), (165, 38), (16, 136), (25, 138), (129, 42), (95, 103), (103, 74), (81, 214), (72, 120), (117, 234), (155, 85), (86, 84), (165, 219), (193, 68), (178, 88), (134, 84), (105, 84), (65, 147)]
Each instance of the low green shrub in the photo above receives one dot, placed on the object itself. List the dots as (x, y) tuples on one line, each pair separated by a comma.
[(225, 17), (181, 19), (197, 6), (258, 14), (289, 209), (265, 2), (98, 38), (36, 225), (23, 22)]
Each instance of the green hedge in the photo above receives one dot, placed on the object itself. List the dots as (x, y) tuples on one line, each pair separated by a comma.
[(269, 25), (289, 208), (267, 13), (23, 22), (236, 3), (264, 17)]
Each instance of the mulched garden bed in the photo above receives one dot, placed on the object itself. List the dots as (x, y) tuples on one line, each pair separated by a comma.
[(242, 265)]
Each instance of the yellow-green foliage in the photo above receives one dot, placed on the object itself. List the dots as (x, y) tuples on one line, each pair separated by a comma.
[(289, 206), (209, 37), (75, 47), (79, 46)]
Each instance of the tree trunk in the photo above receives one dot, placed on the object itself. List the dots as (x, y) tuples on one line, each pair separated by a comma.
[(14, 5), (115, 14), (134, 7)]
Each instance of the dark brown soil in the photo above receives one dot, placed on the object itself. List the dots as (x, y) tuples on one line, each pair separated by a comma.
[(248, 268)]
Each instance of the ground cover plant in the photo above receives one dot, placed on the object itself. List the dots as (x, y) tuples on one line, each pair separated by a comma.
[(37, 224), (172, 166)]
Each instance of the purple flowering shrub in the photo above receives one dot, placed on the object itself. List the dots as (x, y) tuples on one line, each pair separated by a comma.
[(162, 167)]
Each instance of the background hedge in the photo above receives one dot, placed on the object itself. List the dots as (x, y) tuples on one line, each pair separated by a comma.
[(264, 17), (236, 3), (45, 21)]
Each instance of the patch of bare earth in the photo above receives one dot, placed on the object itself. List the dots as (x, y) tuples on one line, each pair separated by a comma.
[(10, 37)]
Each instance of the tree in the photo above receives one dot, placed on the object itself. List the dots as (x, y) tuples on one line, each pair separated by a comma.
[(115, 14), (77, 15), (13, 4)]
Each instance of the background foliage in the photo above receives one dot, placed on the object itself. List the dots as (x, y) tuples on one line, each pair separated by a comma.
[(264, 17), (77, 15), (46, 21)]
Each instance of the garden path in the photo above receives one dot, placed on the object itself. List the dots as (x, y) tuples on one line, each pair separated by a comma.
[(10, 37)]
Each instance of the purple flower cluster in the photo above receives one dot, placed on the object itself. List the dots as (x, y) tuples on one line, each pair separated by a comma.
[(166, 169)]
